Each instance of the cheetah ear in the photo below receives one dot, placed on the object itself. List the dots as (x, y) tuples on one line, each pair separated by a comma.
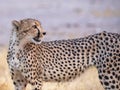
[(15, 24)]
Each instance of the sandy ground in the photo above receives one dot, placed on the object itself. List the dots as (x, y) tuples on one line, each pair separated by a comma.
[(87, 81)]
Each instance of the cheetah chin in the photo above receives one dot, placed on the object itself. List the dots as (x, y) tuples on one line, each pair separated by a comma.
[(36, 40)]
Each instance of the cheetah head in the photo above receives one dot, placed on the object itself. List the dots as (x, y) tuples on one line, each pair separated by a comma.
[(29, 30)]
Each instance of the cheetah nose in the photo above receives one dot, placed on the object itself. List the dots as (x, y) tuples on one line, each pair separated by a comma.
[(37, 39)]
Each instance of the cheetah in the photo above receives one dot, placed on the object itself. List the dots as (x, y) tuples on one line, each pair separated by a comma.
[(33, 61)]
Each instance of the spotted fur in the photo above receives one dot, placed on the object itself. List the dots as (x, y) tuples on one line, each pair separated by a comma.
[(34, 61)]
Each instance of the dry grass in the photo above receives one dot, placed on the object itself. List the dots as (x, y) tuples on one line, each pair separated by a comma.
[(88, 81), (5, 81)]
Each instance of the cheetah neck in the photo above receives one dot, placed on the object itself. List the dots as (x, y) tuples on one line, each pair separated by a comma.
[(16, 43)]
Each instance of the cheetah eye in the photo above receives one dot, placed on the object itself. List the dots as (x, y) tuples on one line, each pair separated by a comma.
[(25, 31), (34, 26)]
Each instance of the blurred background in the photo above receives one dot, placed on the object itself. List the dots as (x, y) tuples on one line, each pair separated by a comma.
[(62, 19)]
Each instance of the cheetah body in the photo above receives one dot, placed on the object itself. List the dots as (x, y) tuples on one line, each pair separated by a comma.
[(63, 60)]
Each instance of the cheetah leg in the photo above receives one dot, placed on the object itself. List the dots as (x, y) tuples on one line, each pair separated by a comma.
[(37, 85), (34, 78), (18, 80)]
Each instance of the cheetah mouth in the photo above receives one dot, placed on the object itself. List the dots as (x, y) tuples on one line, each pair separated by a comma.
[(36, 39)]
